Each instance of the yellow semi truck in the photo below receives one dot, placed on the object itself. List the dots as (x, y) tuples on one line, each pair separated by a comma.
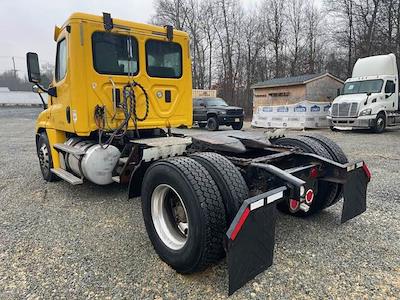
[(118, 91)]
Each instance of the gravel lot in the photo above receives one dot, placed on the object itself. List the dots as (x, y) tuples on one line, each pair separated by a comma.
[(90, 241)]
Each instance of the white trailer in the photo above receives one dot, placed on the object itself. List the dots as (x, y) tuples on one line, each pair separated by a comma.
[(370, 98)]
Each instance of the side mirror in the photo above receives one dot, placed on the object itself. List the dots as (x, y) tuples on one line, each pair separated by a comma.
[(32, 62)]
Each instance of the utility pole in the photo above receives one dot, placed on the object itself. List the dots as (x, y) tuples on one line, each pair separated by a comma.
[(15, 70)]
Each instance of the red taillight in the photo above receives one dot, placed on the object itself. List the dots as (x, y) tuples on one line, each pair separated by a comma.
[(309, 196), (367, 171), (294, 204), (313, 172)]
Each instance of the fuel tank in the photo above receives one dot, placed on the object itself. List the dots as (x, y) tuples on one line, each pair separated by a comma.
[(98, 162)]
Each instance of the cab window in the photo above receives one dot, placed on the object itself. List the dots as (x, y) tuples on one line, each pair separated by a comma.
[(114, 54), (198, 102), (61, 60), (390, 87), (164, 59)]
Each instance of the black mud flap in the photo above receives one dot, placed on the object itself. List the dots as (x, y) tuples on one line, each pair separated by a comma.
[(250, 238), (355, 191)]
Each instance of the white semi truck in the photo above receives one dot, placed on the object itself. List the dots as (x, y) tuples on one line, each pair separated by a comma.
[(370, 98)]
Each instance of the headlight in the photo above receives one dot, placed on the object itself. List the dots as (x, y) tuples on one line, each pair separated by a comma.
[(222, 112), (366, 112)]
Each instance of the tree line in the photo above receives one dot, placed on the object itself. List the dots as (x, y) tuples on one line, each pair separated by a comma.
[(234, 46), (13, 82)]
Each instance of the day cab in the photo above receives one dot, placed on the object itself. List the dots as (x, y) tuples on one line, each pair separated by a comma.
[(96, 57), (370, 98)]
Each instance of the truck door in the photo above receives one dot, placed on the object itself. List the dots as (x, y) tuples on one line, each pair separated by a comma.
[(199, 112), (391, 96), (61, 104)]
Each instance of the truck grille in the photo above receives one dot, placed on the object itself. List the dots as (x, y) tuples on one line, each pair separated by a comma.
[(345, 109), (235, 111)]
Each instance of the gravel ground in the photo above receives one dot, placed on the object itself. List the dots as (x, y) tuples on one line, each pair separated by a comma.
[(90, 241)]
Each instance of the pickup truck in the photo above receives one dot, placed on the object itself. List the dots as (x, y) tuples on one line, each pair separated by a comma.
[(213, 112)]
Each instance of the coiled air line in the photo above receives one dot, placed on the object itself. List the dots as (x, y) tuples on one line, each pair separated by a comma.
[(130, 112)]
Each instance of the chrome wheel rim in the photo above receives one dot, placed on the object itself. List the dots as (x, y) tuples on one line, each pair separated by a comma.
[(169, 216), (44, 158), (380, 123)]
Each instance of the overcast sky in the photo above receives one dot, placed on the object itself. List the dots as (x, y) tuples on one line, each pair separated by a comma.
[(28, 25)]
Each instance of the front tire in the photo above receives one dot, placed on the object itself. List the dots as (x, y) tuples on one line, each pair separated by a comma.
[(237, 126), (45, 158), (380, 123), (212, 124), (179, 194)]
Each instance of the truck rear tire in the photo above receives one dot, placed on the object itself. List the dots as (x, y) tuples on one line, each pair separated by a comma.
[(231, 183), (212, 124), (380, 123), (337, 154), (45, 158), (326, 190), (184, 214)]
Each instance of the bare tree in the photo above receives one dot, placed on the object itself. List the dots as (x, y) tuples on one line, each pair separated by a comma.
[(275, 26), (296, 27)]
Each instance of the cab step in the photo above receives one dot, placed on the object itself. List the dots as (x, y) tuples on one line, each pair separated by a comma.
[(67, 176), (69, 149)]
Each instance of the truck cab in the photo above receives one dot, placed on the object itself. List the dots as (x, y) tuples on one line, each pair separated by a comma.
[(370, 98)]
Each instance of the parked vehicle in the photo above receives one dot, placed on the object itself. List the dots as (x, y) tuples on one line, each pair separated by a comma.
[(213, 112), (370, 98), (202, 197)]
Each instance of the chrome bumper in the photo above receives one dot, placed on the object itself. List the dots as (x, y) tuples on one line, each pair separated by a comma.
[(359, 122)]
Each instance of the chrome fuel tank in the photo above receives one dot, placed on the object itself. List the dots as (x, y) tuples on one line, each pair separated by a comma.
[(97, 164)]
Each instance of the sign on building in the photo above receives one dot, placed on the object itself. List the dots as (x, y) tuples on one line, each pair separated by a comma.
[(204, 93), (301, 115)]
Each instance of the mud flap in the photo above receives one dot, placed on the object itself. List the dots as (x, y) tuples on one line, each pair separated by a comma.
[(250, 238), (355, 191)]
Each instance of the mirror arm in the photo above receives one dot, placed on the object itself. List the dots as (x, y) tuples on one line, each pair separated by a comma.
[(41, 88), (44, 103)]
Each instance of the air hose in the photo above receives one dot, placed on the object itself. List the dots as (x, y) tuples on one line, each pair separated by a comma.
[(129, 93), (129, 108)]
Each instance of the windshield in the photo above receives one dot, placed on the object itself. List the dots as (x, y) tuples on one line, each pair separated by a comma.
[(216, 102), (360, 87)]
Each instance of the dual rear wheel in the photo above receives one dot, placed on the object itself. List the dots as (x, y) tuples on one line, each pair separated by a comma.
[(187, 204), (328, 193)]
